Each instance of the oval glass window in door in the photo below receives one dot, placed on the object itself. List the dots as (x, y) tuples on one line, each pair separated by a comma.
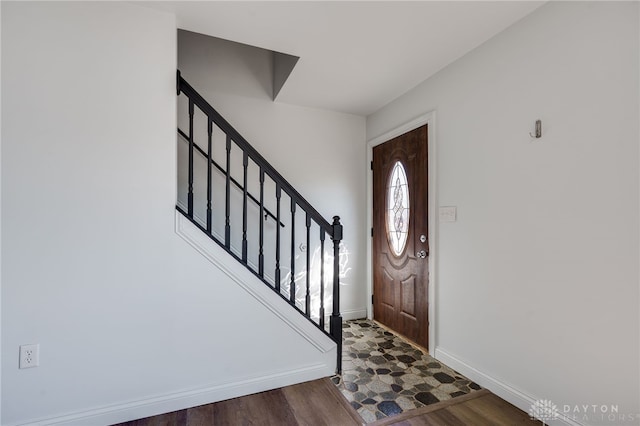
[(397, 208)]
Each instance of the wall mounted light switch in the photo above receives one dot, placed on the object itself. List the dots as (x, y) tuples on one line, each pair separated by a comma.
[(448, 213)]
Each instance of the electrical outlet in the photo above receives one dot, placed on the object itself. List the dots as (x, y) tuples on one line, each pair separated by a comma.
[(29, 356)]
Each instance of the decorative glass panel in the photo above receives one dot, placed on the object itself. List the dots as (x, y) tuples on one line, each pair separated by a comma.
[(397, 208)]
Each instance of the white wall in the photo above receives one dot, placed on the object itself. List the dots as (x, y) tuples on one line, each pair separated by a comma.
[(537, 295), (320, 152), (131, 321)]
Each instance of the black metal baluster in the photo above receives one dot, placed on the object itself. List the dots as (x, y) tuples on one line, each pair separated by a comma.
[(277, 273), (322, 236), (209, 183), (334, 230), (307, 299), (335, 325), (227, 226), (222, 170), (245, 164), (190, 194), (292, 289), (262, 219)]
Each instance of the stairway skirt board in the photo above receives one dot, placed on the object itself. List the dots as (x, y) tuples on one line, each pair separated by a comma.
[(251, 284)]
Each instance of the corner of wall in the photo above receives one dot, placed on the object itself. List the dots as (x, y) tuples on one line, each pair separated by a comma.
[(283, 65)]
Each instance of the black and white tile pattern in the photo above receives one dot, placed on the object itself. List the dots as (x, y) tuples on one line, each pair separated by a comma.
[(383, 375)]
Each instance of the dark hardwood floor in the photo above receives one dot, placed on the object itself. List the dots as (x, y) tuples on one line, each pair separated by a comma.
[(481, 408), (319, 403)]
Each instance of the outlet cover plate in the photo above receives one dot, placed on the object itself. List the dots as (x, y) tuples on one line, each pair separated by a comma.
[(29, 356)]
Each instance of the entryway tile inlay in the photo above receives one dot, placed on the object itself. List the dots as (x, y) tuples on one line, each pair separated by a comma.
[(382, 375)]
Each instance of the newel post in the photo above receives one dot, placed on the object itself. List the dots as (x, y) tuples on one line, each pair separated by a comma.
[(335, 324)]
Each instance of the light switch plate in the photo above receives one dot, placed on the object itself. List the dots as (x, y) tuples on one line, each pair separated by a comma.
[(448, 213)]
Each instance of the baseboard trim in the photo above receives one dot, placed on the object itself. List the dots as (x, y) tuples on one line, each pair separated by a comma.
[(348, 315), (112, 414), (504, 390), (354, 314)]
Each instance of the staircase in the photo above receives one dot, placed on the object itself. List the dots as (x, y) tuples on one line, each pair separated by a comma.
[(239, 200)]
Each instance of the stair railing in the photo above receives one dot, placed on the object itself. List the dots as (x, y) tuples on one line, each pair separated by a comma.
[(287, 287)]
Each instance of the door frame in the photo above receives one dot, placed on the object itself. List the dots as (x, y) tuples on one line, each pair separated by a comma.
[(430, 120)]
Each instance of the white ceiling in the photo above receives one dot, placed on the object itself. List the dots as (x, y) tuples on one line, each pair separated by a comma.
[(357, 56)]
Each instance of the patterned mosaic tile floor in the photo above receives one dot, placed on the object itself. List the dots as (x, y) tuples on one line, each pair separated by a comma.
[(383, 375)]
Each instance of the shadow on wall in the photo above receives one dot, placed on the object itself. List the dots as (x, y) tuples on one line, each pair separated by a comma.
[(267, 70)]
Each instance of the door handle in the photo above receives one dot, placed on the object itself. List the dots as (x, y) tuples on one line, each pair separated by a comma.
[(422, 254)]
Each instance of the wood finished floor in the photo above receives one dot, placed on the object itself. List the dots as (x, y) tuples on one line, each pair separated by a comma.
[(481, 408), (319, 403)]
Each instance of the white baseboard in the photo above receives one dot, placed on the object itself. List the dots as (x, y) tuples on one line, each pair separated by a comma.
[(348, 315), (354, 314), (505, 391), (163, 403), (112, 414)]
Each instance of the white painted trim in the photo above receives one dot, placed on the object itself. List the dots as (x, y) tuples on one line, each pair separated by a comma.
[(117, 413), (429, 119), (1, 227), (354, 314), (251, 284), (504, 390), (234, 248)]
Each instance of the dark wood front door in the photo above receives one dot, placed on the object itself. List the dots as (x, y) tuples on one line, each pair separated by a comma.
[(400, 235)]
